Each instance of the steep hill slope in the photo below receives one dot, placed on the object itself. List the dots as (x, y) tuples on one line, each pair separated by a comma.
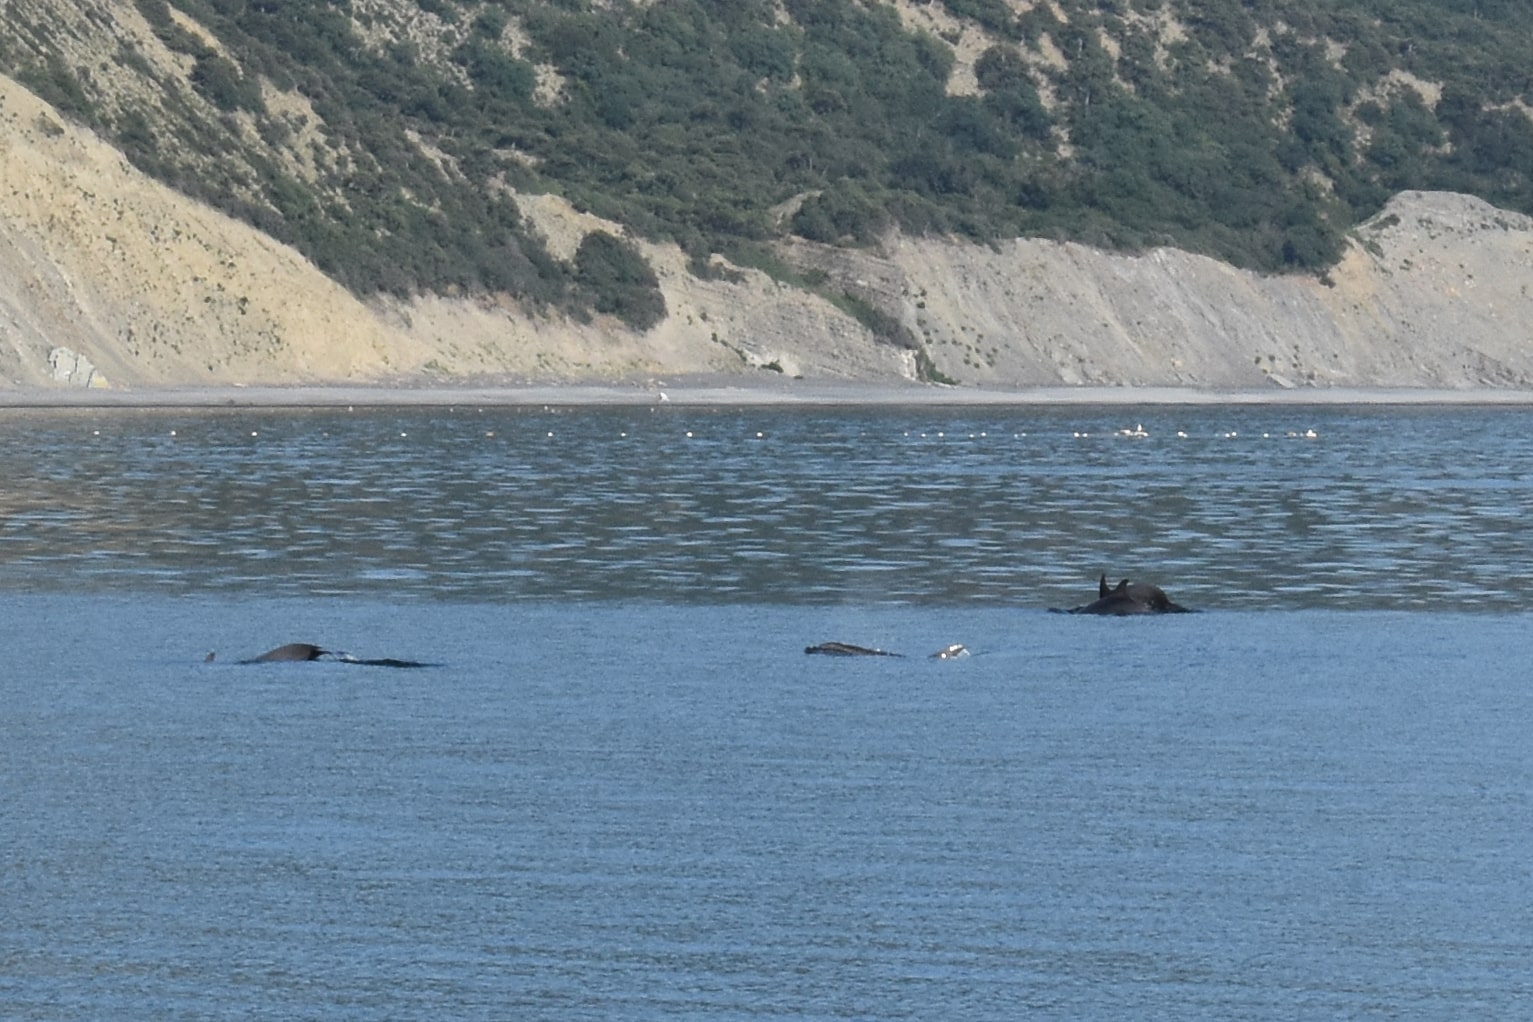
[(109, 278), (386, 139), (98, 263)]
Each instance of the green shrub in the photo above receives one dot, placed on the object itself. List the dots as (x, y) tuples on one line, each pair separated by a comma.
[(618, 281)]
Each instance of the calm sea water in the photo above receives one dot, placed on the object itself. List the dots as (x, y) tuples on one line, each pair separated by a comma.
[(623, 792)]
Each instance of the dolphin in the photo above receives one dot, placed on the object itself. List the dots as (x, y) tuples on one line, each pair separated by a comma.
[(1129, 598), (292, 651), (304, 651), (951, 652), (846, 649)]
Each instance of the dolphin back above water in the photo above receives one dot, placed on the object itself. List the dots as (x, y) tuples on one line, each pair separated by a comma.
[(293, 651), (1129, 598), (952, 652), (304, 651), (846, 649)]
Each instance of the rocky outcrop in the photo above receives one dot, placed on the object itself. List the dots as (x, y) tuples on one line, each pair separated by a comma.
[(70, 367), (108, 278)]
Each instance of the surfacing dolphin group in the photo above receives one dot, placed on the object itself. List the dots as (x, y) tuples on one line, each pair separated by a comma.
[(1116, 601)]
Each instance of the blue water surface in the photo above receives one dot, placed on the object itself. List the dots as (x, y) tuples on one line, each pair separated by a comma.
[(624, 792)]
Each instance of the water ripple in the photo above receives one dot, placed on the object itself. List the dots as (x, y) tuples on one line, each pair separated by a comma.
[(1395, 508)]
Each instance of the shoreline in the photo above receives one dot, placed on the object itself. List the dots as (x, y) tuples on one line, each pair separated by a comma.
[(688, 392)]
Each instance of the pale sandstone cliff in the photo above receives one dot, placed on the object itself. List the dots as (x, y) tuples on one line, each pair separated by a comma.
[(107, 278), (103, 264), (1433, 292)]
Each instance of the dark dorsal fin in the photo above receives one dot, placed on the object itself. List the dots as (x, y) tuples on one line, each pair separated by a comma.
[(292, 651)]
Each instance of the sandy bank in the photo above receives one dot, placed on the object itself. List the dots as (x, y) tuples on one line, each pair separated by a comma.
[(684, 392)]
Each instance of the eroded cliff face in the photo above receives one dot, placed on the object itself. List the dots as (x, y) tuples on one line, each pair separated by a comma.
[(110, 279), (1433, 292)]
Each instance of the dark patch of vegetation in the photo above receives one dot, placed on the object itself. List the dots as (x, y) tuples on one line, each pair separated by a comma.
[(60, 86), (618, 280), (879, 323), (927, 371)]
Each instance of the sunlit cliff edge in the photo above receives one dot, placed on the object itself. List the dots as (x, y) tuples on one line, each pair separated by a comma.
[(109, 279)]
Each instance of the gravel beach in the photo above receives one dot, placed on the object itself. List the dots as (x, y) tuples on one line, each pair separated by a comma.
[(711, 391)]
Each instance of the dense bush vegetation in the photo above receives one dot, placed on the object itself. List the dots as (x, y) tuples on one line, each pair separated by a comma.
[(1259, 132), (620, 281)]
